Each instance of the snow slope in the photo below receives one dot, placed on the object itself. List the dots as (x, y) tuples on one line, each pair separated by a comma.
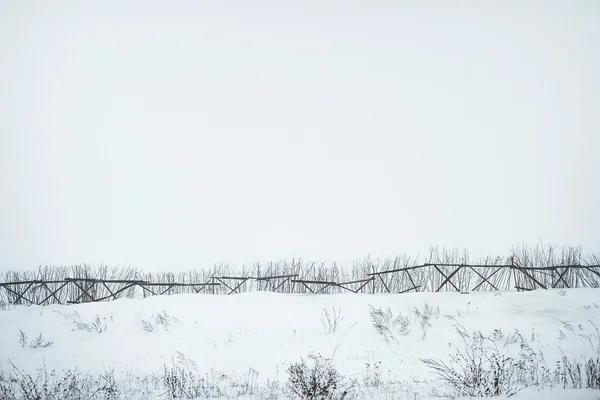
[(256, 336)]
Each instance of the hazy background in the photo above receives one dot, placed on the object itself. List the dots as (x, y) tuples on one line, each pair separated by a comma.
[(179, 134)]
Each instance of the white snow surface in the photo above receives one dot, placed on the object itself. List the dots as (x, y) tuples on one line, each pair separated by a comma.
[(262, 333)]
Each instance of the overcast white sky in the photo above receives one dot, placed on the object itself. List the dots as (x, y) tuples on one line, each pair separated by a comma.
[(171, 135)]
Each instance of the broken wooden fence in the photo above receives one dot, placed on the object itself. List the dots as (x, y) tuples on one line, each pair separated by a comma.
[(83, 290), (500, 277), (430, 277), (322, 286)]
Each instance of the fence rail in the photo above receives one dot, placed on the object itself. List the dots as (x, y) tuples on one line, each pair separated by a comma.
[(427, 277)]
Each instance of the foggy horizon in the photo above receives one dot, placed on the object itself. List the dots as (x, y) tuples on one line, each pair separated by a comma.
[(176, 137)]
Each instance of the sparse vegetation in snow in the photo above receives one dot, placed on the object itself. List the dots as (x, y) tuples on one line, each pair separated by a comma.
[(159, 320), (35, 343), (331, 320), (96, 325), (318, 379), (388, 325)]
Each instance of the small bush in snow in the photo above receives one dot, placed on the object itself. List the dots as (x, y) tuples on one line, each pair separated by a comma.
[(388, 325), (331, 321), (95, 326), (425, 315), (180, 383), (34, 344), (497, 335), (569, 373), (578, 374), (592, 372), (22, 338), (107, 386), (481, 371), (373, 375), (165, 320), (161, 319), (147, 326), (428, 312), (514, 338), (317, 380), (40, 342), (593, 339)]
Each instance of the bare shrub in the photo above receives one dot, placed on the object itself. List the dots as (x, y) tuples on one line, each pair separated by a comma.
[(180, 382), (107, 386), (22, 338), (147, 326), (331, 321), (425, 316), (388, 325), (159, 320), (372, 376), (94, 326), (318, 379), (40, 342), (35, 343), (594, 338), (480, 371), (592, 372), (581, 373)]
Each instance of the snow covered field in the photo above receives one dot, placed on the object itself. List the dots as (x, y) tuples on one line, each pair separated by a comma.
[(242, 345)]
